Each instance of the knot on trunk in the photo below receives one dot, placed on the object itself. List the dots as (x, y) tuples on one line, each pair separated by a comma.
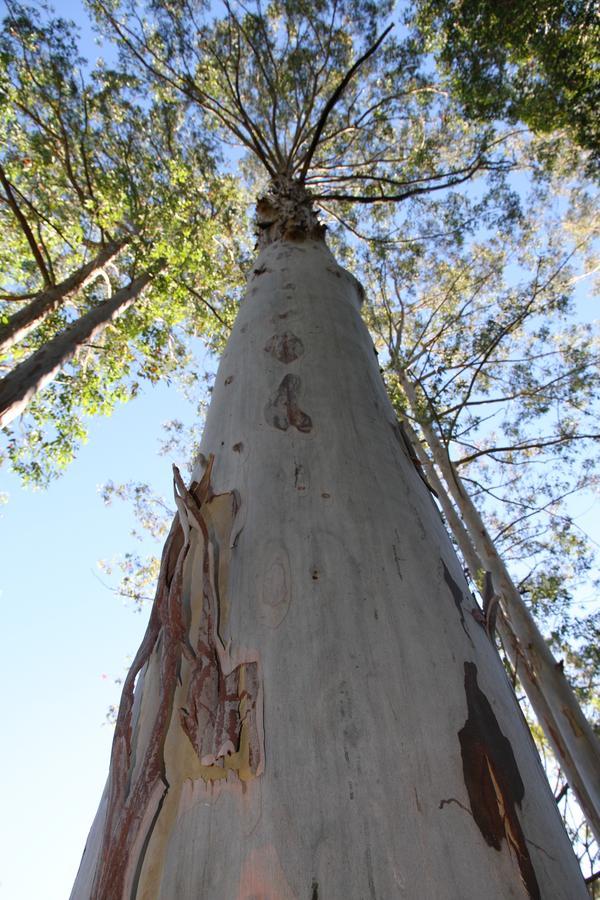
[(285, 212)]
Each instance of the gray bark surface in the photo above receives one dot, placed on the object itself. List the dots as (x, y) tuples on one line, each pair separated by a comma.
[(380, 751)]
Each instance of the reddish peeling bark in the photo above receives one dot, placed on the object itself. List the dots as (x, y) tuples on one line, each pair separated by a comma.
[(493, 780), (222, 697)]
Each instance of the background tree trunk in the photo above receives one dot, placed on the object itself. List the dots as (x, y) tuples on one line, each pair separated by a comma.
[(317, 713), (25, 320), (34, 373)]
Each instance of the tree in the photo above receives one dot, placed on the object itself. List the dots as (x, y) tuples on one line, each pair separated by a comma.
[(311, 669), (30, 376), (537, 63), (532, 663), (558, 712), (82, 153)]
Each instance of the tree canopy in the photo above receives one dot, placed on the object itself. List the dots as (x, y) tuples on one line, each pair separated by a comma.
[(533, 62), (93, 175)]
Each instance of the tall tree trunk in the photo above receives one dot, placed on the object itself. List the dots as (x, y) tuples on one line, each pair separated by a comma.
[(26, 319), (30, 376), (552, 699), (314, 713)]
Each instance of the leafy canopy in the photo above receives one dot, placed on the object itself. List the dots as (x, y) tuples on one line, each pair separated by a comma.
[(537, 62), (88, 160)]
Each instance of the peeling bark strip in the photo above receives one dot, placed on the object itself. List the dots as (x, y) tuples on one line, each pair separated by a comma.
[(231, 713), (457, 596), (221, 717), (492, 780), (283, 411), (285, 347)]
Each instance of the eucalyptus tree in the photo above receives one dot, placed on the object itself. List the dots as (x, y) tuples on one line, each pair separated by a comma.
[(313, 710), (111, 208)]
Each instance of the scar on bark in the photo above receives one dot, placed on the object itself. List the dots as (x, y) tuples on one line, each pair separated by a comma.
[(285, 347), (283, 411), (493, 780), (458, 598)]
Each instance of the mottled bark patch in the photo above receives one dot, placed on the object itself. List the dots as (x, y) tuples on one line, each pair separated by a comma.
[(457, 596), (300, 478), (274, 588), (286, 347), (493, 780), (283, 411)]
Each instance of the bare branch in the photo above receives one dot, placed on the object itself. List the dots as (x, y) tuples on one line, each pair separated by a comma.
[(533, 445), (322, 121), (12, 202)]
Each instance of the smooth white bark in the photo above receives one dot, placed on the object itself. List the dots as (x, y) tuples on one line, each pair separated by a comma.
[(335, 577), (554, 703)]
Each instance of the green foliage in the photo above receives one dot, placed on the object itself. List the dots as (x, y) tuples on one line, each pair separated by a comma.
[(88, 160), (537, 62)]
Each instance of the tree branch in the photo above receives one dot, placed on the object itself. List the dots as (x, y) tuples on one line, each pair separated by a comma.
[(322, 121), (10, 197)]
